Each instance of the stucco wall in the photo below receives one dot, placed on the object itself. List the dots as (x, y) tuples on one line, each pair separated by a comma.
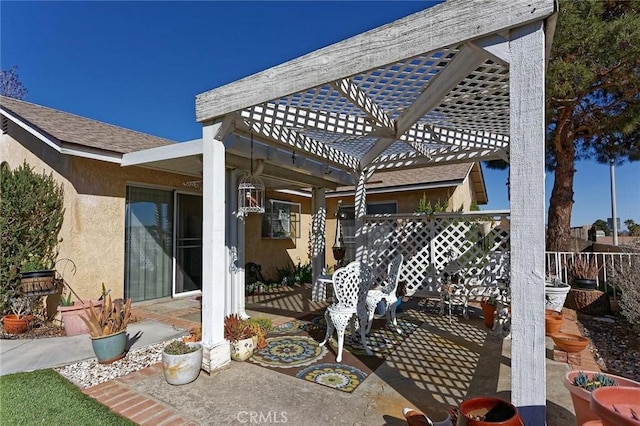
[(278, 253), (92, 233)]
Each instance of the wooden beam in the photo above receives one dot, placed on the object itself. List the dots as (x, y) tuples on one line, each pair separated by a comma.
[(439, 26), (527, 151)]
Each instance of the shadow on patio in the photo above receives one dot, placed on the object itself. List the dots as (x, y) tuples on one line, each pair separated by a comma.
[(437, 366)]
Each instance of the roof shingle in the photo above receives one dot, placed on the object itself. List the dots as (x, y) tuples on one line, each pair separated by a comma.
[(82, 131)]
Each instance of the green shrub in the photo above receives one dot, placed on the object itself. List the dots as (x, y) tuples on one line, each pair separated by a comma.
[(31, 214), (625, 275)]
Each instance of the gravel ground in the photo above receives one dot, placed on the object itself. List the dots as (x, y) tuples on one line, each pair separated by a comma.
[(614, 344), (89, 373)]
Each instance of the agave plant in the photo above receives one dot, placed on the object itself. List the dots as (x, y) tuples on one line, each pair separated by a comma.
[(113, 318)]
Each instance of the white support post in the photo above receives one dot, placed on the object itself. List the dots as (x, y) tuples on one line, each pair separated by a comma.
[(527, 93), (239, 246), (318, 227), (360, 212), (216, 348), (229, 238)]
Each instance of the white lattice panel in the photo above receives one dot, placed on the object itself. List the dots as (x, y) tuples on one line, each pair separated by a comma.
[(474, 246)]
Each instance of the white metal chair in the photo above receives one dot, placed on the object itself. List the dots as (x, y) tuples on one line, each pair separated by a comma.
[(350, 286), (386, 292)]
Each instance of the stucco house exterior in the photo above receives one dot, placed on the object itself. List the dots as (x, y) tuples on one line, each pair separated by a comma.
[(139, 231), (459, 82)]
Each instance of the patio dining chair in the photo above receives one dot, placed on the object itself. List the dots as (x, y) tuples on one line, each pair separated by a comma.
[(386, 293), (350, 286)]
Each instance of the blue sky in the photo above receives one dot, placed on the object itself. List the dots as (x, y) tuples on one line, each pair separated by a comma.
[(140, 65)]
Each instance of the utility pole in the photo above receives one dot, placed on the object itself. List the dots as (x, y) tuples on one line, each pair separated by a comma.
[(613, 201)]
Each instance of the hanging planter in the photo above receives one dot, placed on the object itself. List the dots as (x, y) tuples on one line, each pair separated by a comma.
[(40, 283)]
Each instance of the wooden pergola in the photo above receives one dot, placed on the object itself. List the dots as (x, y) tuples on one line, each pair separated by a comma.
[(461, 81)]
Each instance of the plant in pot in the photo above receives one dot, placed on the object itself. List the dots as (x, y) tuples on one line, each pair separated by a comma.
[(108, 328), (71, 312), (580, 384), (583, 273), (488, 305), (260, 328), (239, 333), (17, 322), (181, 362)]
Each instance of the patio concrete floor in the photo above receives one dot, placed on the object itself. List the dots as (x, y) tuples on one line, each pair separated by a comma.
[(437, 366)]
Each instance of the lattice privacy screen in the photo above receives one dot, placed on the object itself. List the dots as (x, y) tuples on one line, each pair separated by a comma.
[(475, 246)]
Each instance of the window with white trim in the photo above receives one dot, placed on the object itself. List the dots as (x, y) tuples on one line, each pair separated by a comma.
[(281, 219)]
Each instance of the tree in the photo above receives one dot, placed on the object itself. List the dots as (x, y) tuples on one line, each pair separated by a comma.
[(593, 98), (10, 84), (634, 228), (602, 225)]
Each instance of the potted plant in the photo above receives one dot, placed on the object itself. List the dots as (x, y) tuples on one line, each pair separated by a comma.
[(18, 321), (240, 336), (108, 328), (488, 305), (583, 273), (71, 312), (181, 362), (487, 411), (555, 294), (581, 383), (259, 328), (37, 278)]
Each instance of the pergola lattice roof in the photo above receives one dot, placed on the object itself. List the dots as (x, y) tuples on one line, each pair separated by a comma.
[(397, 96)]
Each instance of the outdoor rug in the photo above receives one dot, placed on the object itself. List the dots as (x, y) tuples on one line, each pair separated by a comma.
[(294, 349)]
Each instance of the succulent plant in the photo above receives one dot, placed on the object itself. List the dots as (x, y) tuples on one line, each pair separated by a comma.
[(597, 381), (178, 347)]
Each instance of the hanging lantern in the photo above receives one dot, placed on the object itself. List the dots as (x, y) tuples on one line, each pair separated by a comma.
[(250, 191)]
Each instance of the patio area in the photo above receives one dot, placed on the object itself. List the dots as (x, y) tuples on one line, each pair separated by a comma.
[(437, 366)]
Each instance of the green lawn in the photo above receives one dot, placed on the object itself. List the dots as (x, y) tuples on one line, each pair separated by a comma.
[(45, 397)]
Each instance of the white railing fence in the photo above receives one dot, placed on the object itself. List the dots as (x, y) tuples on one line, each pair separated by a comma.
[(474, 245), (556, 264)]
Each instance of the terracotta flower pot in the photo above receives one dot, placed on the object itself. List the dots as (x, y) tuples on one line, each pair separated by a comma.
[(73, 324), (487, 411), (616, 405), (581, 397), (16, 325), (571, 343), (488, 313), (552, 321)]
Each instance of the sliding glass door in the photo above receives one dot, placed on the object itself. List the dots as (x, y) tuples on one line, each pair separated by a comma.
[(188, 243), (148, 243)]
